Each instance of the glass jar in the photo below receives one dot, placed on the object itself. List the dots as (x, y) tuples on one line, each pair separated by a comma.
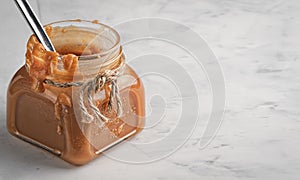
[(80, 101)]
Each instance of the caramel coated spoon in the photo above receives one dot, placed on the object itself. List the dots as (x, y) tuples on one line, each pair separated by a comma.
[(35, 24)]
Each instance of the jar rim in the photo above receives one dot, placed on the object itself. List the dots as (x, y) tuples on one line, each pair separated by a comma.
[(115, 46)]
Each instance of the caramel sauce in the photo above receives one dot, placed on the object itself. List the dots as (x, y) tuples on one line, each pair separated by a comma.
[(47, 116)]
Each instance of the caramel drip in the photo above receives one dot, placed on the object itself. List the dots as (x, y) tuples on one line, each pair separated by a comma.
[(42, 64), (63, 102)]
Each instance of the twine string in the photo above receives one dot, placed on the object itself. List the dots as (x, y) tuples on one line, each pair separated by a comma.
[(89, 89)]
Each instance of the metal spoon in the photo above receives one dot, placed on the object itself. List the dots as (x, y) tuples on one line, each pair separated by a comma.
[(35, 24)]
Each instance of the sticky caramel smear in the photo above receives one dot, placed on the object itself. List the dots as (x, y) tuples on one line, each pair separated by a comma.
[(41, 63), (95, 21)]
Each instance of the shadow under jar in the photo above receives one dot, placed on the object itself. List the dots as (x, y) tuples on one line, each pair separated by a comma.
[(79, 101)]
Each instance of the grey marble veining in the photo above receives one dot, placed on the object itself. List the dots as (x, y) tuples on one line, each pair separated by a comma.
[(257, 44)]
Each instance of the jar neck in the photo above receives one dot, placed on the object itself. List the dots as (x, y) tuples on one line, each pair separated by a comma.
[(88, 66), (84, 49)]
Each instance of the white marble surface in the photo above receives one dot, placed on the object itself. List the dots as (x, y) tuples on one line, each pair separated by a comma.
[(257, 44)]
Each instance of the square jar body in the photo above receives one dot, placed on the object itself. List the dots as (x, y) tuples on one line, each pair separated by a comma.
[(44, 120)]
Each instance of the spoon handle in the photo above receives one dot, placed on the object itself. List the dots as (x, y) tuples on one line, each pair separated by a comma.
[(35, 24)]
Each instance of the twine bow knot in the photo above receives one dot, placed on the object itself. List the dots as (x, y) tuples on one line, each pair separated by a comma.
[(90, 88)]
